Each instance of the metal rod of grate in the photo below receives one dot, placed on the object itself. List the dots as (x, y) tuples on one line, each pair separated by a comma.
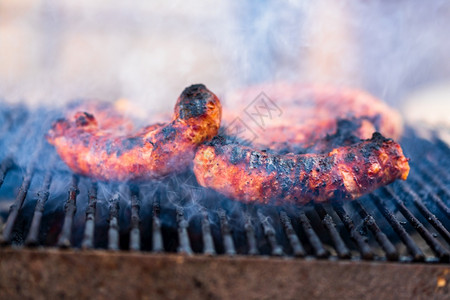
[(361, 242), (183, 237), (226, 233), (65, 237), (88, 237), (208, 242), (380, 236), (295, 243), (270, 234), (20, 198), (425, 211), (414, 250), (157, 241), (431, 194), (328, 223), (135, 233), (311, 235), (113, 229), (33, 235), (250, 234), (437, 247)]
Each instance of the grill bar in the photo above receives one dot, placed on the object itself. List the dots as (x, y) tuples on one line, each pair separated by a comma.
[(270, 234), (313, 239), (444, 190), (183, 237), (70, 207), (440, 251), (33, 235), (425, 212), (157, 241), (413, 249), (361, 242), (20, 198), (432, 195), (226, 233), (328, 223), (14, 209), (113, 229), (380, 236), (88, 237), (135, 233), (437, 168), (208, 243), (295, 243), (250, 234)]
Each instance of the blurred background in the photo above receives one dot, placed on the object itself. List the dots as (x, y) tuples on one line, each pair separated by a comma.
[(148, 51)]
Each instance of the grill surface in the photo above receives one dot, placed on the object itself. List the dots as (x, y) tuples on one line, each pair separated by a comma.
[(43, 204)]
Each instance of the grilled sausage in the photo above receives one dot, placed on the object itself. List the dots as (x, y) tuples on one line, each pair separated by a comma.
[(248, 175), (153, 152), (292, 117)]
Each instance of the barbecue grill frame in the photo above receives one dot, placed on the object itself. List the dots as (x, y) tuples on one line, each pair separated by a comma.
[(100, 274), (326, 237)]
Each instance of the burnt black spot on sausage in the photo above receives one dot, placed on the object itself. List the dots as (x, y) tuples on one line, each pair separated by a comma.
[(192, 90), (349, 157), (84, 119), (309, 163), (345, 133), (374, 145), (168, 133), (218, 149), (379, 138), (150, 142), (326, 164), (238, 154), (366, 154), (255, 160), (271, 164), (297, 173), (218, 140), (131, 143), (286, 184), (285, 167), (219, 143), (193, 101)]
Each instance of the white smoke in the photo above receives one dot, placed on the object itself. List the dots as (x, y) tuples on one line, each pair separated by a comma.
[(148, 51)]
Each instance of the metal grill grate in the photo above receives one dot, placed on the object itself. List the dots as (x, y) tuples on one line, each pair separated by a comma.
[(49, 206)]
